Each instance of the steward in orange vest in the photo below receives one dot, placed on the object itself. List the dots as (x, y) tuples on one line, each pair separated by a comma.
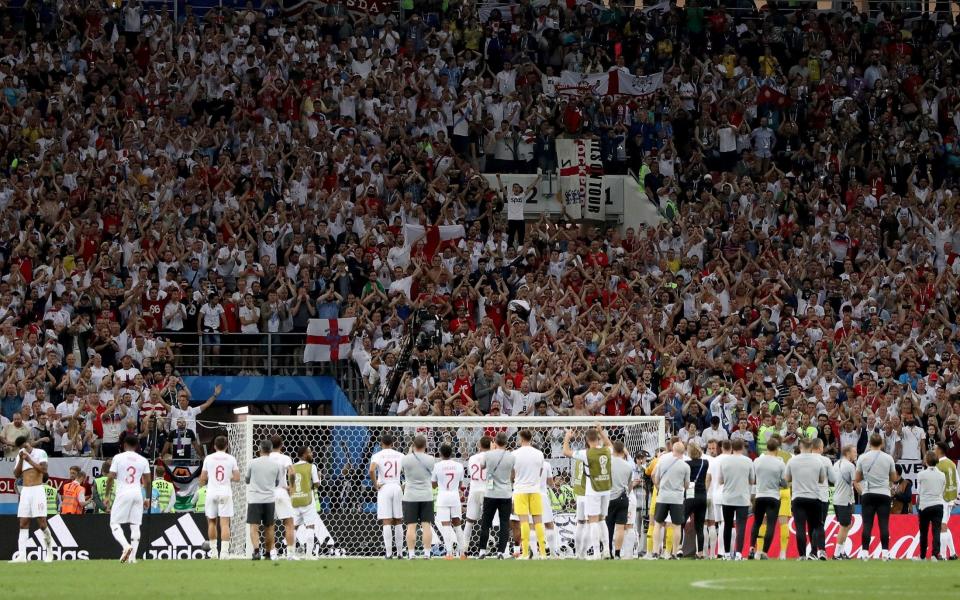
[(73, 494)]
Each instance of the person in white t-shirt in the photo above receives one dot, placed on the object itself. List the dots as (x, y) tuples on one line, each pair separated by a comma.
[(183, 410), (527, 501), (385, 478), (218, 472), (515, 202), (211, 322), (447, 478), (131, 472), (284, 508)]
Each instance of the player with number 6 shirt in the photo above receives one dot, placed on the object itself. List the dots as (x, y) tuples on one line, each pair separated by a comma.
[(218, 472)]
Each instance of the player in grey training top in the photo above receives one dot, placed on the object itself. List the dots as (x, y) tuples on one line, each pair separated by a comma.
[(875, 471), (768, 469), (805, 473), (417, 467), (823, 494), (262, 477), (736, 477), (672, 477), (497, 501), (843, 497)]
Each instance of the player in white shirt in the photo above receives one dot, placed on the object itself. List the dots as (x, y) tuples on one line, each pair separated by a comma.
[(527, 501), (31, 466), (714, 518), (385, 477), (132, 474), (447, 478), (477, 472), (218, 472), (284, 508)]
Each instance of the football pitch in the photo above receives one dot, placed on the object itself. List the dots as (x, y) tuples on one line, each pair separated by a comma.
[(462, 580)]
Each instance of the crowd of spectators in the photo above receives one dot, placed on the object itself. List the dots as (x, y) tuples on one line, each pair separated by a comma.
[(246, 170)]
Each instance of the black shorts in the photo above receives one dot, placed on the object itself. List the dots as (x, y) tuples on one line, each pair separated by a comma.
[(260, 513), (619, 510), (674, 510), (418, 512), (844, 514)]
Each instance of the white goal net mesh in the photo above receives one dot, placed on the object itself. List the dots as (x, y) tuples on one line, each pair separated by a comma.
[(342, 447)]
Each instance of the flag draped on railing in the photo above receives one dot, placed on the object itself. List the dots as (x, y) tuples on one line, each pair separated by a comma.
[(328, 340)]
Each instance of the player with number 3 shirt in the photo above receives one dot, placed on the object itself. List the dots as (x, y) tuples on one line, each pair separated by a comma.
[(132, 474), (385, 477)]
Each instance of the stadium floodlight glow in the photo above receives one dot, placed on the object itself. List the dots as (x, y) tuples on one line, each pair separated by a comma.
[(241, 410)]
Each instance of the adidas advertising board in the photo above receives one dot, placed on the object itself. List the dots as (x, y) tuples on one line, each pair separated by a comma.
[(87, 537)]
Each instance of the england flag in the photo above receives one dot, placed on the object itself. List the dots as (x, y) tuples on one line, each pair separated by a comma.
[(328, 340)]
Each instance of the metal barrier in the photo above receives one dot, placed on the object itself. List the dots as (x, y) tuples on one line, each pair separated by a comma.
[(264, 354)]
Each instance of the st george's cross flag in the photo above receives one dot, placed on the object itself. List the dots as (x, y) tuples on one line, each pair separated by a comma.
[(434, 234), (328, 340)]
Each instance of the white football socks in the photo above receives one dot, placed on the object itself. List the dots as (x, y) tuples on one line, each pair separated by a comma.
[(117, 532), (388, 540), (467, 535), (134, 540), (22, 538), (553, 541)]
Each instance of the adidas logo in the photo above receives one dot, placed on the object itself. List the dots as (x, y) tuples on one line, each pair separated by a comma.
[(64, 547), (183, 540)]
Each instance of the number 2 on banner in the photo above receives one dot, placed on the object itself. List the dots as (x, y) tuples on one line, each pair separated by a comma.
[(218, 473)]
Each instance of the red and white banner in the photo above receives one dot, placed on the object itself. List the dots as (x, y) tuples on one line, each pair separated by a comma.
[(581, 178), (435, 235), (612, 83), (57, 468), (366, 7), (904, 537), (328, 340)]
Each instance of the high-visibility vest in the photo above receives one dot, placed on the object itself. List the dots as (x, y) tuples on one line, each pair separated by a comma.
[(70, 502), (165, 490), (101, 484), (51, 493), (201, 500), (556, 502)]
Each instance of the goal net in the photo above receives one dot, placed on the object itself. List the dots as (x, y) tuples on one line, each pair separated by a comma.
[(342, 447)]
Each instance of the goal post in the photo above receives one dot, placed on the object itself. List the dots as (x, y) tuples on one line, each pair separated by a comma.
[(342, 447)]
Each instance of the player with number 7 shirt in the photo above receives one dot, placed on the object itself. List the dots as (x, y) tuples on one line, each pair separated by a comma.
[(218, 471), (385, 477)]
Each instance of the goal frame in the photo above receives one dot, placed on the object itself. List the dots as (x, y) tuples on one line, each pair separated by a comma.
[(246, 451)]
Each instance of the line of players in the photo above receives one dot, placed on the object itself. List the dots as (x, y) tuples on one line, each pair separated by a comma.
[(718, 496), (289, 498), (511, 486)]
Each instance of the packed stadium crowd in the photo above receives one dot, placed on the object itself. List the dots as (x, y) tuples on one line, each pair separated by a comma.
[(247, 170)]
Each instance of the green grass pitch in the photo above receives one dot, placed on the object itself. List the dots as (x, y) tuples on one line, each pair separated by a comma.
[(463, 580)]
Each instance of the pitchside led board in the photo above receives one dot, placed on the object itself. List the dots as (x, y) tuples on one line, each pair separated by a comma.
[(181, 537)]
